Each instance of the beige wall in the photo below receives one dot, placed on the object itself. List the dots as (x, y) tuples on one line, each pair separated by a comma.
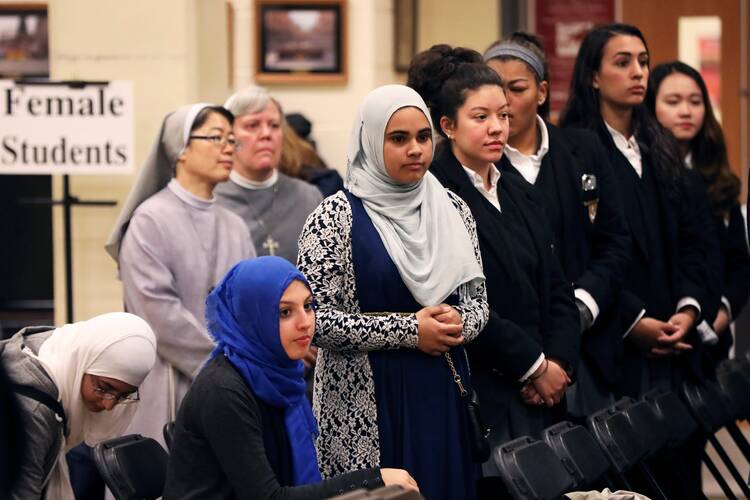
[(175, 52), (474, 24)]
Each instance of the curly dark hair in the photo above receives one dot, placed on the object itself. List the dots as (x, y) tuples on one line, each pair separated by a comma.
[(443, 75), (583, 107), (708, 148)]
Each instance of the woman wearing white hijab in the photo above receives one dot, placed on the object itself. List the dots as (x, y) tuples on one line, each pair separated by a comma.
[(396, 272), (73, 384), (173, 243)]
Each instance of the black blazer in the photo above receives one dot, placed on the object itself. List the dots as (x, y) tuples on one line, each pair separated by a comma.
[(685, 250), (503, 345), (594, 255)]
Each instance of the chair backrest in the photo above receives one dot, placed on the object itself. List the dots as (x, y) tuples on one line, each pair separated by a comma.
[(679, 423), (617, 438), (392, 492), (579, 452), (736, 385), (168, 432), (707, 406), (531, 470), (649, 428), (134, 467)]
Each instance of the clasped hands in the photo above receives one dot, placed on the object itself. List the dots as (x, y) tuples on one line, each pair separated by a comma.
[(440, 328), (546, 386), (661, 338)]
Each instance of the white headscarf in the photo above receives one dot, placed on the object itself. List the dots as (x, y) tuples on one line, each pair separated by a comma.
[(158, 169), (421, 229), (115, 345)]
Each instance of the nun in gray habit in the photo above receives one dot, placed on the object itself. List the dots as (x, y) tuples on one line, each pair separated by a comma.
[(173, 243)]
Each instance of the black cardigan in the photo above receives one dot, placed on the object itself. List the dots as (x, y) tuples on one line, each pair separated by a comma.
[(229, 444), (508, 347)]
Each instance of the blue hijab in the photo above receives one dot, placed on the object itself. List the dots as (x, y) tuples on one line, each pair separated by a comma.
[(242, 313)]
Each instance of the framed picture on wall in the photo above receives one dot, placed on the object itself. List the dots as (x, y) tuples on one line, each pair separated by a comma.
[(24, 41), (405, 14), (302, 41)]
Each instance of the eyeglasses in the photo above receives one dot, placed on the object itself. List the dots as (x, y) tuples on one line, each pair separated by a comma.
[(113, 396), (216, 140)]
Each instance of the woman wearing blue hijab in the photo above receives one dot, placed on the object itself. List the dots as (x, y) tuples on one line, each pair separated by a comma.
[(245, 427)]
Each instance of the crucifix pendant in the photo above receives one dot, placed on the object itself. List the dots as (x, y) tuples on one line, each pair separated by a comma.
[(271, 245)]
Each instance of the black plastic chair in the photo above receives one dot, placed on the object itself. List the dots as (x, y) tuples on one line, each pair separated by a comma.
[(622, 444), (648, 427), (134, 467), (530, 470), (168, 432), (679, 423), (579, 453), (709, 407)]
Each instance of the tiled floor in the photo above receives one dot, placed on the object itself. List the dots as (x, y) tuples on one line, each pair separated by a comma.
[(710, 487)]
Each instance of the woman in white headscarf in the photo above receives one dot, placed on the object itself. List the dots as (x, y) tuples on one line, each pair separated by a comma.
[(395, 268), (74, 384)]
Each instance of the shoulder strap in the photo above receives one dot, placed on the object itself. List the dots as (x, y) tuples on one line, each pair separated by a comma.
[(44, 398)]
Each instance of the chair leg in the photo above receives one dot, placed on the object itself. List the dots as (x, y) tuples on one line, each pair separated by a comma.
[(655, 488), (739, 439), (719, 478), (729, 465)]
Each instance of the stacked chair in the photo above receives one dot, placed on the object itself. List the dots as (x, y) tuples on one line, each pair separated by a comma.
[(621, 445)]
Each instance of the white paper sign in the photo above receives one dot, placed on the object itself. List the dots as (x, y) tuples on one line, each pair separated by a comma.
[(60, 129)]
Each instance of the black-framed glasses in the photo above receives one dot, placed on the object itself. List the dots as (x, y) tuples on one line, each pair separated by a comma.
[(216, 140), (113, 396)]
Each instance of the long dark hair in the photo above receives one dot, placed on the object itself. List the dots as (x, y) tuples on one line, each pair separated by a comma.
[(583, 106), (443, 75), (708, 148), (534, 44)]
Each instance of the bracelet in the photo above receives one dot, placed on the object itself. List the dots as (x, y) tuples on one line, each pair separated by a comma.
[(546, 365)]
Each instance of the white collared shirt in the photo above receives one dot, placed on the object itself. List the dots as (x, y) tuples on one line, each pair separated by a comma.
[(246, 183), (188, 197), (478, 183), (629, 148), (529, 165)]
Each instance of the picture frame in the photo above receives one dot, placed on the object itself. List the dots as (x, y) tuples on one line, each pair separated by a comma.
[(301, 41), (405, 26), (24, 41)]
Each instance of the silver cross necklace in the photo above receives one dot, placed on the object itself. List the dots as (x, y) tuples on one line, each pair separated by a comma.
[(269, 243)]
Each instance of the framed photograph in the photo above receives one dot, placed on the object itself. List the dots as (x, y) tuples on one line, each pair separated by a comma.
[(24, 41), (301, 41), (405, 33)]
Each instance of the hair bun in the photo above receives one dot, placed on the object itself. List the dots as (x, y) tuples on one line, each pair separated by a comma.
[(431, 68)]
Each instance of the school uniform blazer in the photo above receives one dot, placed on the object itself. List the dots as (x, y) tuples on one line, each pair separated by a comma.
[(593, 255), (684, 245), (502, 343)]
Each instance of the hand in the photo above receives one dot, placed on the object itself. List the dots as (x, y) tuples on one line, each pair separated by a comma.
[(435, 337), (451, 317), (648, 332), (684, 321), (399, 477), (311, 357), (529, 395), (550, 384), (721, 323)]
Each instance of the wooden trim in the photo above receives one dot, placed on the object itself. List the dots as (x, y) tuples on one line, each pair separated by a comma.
[(302, 77)]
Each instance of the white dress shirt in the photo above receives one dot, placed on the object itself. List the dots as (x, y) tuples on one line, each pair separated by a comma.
[(529, 165)]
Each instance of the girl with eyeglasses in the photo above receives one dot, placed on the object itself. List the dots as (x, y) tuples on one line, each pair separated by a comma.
[(173, 243), (73, 384)]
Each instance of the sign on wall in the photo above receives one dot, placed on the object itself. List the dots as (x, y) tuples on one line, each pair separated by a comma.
[(66, 128), (562, 25)]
